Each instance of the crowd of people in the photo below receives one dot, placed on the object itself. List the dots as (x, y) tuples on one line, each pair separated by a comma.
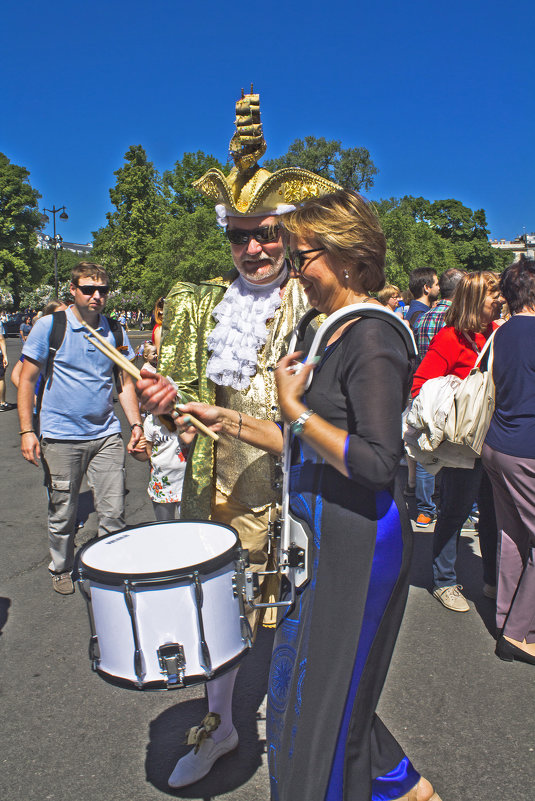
[(224, 346)]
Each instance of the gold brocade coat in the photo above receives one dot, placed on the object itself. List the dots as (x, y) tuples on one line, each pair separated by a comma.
[(245, 472)]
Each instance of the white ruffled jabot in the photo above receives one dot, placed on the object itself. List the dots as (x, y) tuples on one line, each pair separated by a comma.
[(241, 330)]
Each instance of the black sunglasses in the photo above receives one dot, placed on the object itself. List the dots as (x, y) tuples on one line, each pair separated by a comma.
[(267, 233), (89, 289), (297, 258)]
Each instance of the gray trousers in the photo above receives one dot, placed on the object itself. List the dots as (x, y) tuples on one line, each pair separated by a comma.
[(513, 485), (166, 511), (66, 462)]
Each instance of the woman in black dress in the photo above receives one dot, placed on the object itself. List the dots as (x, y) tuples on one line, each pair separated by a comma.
[(333, 649)]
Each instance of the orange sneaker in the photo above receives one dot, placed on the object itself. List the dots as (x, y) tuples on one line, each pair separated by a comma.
[(423, 520)]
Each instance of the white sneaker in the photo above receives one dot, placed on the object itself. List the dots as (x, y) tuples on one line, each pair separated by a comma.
[(452, 598), (194, 766)]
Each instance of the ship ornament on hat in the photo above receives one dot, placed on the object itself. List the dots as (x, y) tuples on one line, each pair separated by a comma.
[(249, 190)]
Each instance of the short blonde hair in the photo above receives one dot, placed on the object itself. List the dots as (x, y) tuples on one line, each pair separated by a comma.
[(149, 351), (388, 292), (349, 229), (465, 311)]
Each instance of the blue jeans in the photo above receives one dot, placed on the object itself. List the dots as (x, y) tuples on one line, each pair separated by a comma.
[(459, 489), (425, 487)]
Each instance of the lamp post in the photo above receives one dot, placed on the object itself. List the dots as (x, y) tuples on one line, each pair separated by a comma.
[(57, 239)]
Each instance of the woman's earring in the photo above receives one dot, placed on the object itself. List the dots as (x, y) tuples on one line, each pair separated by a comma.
[(346, 275)]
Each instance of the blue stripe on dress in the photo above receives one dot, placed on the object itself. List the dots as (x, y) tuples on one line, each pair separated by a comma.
[(386, 565)]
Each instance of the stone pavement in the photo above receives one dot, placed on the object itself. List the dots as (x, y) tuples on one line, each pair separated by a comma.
[(464, 717)]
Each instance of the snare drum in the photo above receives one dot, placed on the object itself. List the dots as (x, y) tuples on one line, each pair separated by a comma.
[(164, 603)]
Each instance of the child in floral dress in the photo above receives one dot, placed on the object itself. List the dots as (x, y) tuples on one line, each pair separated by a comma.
[(167, 468)]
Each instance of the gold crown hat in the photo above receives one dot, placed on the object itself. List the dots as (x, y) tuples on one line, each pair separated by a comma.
[(249, 190)]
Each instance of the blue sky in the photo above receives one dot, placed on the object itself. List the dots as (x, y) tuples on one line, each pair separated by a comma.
[(441, 94)]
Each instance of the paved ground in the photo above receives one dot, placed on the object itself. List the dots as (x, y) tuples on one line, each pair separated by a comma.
[(465, 717)]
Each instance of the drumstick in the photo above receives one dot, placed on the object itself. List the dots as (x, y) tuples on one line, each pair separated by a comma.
[(121, 361), (118, 357)]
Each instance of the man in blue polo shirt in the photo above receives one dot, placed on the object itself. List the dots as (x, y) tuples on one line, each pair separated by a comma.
[(80, 433)]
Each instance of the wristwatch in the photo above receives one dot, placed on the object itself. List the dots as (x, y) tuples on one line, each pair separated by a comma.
[(296, 426)]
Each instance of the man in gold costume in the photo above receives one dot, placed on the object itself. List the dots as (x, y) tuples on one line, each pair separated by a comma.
[(221, 341)]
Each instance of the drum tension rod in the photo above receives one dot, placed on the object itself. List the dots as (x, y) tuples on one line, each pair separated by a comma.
[(138, 656), (205, 651)]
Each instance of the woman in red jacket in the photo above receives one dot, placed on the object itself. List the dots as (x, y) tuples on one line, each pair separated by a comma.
[(470, 321)]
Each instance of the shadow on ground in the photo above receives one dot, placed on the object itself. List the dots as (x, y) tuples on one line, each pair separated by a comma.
[(5, 603), (469, 574), (167, 731)]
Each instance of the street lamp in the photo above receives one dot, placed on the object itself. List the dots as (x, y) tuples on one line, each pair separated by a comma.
[(56, 239)]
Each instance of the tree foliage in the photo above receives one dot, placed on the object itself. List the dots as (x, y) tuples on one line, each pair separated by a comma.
[(439, 234), (191, 247), (124, 244), (350, 167), (19, 222), (179, 192), (66, 261)]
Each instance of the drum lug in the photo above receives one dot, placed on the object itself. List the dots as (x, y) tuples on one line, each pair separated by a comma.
[(252, 586), (94, 652), (245, 583), (296, 556), (173, 663)]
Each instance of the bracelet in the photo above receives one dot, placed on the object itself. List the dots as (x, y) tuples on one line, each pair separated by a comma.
[(27, 431), (296, 426), (134, 425), (239, 426)]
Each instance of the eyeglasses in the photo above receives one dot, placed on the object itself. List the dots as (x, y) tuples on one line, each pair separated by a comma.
[(297, 260), (89, 289), (263, 235)]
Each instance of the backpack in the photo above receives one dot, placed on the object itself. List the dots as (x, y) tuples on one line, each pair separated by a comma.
[(55, 340), (448, 420)]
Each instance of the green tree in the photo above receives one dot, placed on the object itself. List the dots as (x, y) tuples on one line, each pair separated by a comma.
[(125, 243), (351, 167), (439, 234), (411, 241), (177, 182), (191, 247), (468, 233), (19, 222), (66, 261)]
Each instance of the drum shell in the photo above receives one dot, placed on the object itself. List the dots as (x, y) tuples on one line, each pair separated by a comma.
[(165, 611)]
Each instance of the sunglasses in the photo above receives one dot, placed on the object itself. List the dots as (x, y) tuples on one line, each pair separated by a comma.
[(263, 235), (297, 258), (89, 289)]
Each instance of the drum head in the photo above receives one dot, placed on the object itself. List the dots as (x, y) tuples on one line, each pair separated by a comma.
[(162, 549)]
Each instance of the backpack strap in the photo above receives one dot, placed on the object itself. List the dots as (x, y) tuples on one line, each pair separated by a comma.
[(55, 339), (117, 331), (118, 334)]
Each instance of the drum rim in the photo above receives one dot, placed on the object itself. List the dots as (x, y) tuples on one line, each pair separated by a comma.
[(83, 571)]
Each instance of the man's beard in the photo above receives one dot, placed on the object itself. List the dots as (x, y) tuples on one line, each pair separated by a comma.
[(271, 271)]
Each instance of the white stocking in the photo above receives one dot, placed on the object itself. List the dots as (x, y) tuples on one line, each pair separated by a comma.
[(219, 692)]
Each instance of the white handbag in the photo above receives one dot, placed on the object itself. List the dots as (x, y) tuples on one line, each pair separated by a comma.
[(449, 418), (474, 402)]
